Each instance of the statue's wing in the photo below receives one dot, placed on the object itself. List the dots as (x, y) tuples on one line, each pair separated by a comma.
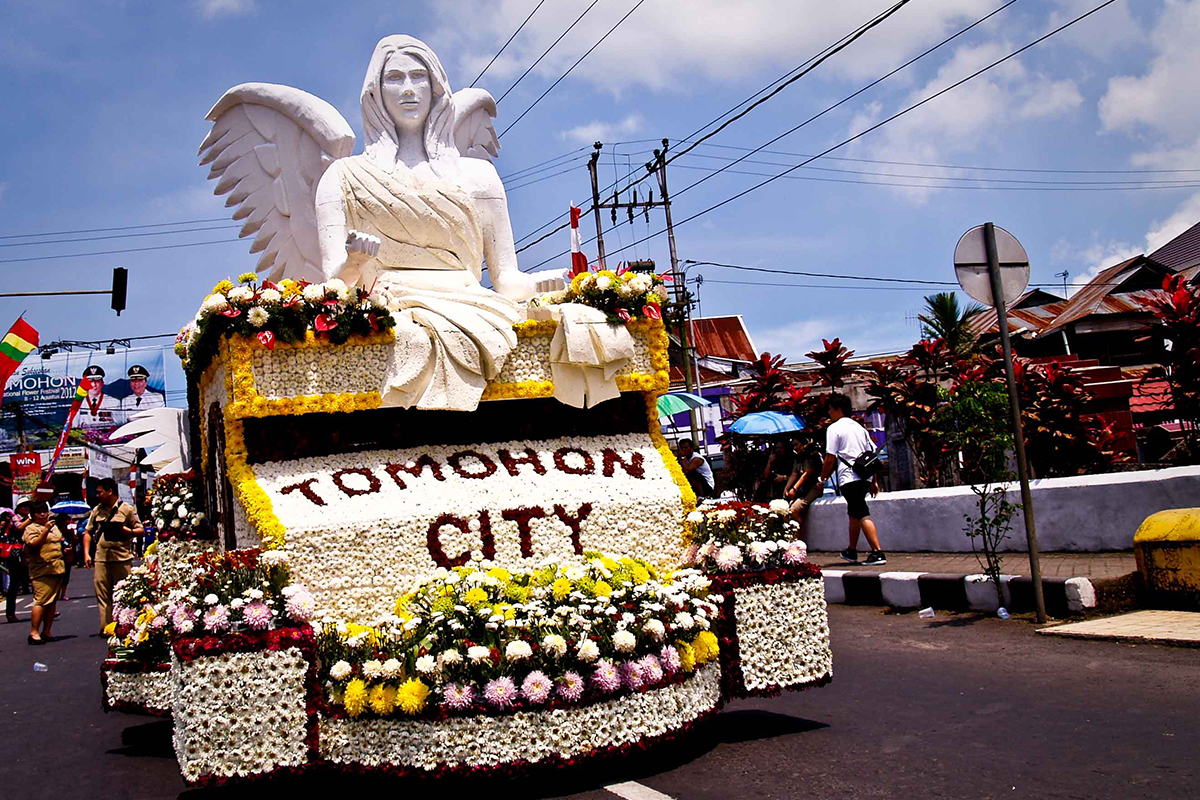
[(268, 147), (164, 433), (474, 110)]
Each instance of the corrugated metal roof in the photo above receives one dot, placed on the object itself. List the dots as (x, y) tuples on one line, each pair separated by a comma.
[(1103, 295), (1022, 316), (1181, 252), (723, 337)]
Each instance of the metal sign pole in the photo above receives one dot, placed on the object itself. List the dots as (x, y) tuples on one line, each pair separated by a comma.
[(993, 259)]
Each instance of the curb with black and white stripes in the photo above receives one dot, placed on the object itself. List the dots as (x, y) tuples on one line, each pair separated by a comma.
[(948, 592)]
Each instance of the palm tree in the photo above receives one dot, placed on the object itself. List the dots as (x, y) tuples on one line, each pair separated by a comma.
[(946, 321)]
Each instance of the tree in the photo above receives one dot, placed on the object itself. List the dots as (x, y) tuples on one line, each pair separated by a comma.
[(1176, 311), (943, 319)]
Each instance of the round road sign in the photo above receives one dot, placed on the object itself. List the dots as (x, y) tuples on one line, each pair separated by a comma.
[(971, 265)]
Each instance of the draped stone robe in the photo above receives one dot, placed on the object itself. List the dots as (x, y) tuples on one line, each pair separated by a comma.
[(452, 335)]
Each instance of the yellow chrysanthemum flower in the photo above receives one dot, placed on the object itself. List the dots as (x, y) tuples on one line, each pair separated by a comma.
[(110, 629), (246, 277), (516, 593), (382, 698), (475, 597), (706, 647), (411, 696), (687, 656), (601, 589), (444, 605), (560, 588), (289, 287), (500, 574), (354, 700), (222, 287)]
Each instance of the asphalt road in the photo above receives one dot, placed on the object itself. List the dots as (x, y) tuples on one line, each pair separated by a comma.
[(954, 707)]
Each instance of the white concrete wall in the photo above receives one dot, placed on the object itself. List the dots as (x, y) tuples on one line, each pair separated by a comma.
[(1088, 513)]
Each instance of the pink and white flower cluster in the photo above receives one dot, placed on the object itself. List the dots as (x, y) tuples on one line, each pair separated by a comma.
[(743, 537)]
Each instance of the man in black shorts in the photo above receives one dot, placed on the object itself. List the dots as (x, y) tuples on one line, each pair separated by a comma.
[(845, 441)]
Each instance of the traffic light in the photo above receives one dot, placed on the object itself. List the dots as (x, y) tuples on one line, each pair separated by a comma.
[(119, 285)]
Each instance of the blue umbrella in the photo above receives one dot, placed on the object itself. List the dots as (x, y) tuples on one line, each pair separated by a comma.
[(763, 423), (72, 507)]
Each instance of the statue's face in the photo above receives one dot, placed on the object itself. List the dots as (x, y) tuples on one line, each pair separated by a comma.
[(407, 91)]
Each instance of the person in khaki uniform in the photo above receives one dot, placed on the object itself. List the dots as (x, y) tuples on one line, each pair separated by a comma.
[(43, 548), (112, 523)]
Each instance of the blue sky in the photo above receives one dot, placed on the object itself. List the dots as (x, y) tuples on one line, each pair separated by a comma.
[(105, 104)]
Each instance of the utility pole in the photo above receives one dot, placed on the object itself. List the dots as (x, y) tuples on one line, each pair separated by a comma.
[(592, 164)]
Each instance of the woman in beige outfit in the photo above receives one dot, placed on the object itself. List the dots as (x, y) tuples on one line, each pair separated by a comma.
[(43, 547)]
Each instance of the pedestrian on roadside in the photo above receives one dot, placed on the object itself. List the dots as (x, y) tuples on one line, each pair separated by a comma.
[(845, 441), (775, 475), (43, 548), (62, 523), (13, 550), (696, 469), (113, 524), (804, 485)]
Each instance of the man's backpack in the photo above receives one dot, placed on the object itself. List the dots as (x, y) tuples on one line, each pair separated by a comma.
[(866, 465)]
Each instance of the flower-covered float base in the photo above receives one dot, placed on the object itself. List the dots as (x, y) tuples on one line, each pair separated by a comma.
[(524, 739), (244, 704), (773, 631), (137, 688)]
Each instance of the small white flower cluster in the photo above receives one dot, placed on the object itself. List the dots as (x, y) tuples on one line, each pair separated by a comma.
[(174, 558), (783, 633), (368, 537), (347, 369), (530, 360), (530, 736), (150, 691), (240, 713)]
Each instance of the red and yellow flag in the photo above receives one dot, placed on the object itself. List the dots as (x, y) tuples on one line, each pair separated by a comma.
[(20, 341)]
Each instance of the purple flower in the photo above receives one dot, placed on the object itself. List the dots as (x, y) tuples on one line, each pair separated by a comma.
[(570, 686), (631, 675), (257, 615), (650, 670), (501, 693), (216, 619), (607, 677), (457, 696), (537, 687), (669, 658)]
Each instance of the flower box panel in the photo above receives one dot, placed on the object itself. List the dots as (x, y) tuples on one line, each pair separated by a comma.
[(136, 688), (774, 631), (244, 704), (514, 742)]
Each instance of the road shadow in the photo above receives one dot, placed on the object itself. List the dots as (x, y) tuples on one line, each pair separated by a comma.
[(959, 621), (745, 725), (149, 740)]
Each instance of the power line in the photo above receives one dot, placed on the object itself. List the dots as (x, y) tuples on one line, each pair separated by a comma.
[(576, 64), (506, 44), (802, 273), (113, 252), (817, 286), (104, 230), (570, 155), (866, 131), (121, 236), (548, 49)]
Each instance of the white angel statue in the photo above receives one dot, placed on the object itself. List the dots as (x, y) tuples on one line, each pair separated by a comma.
[(417, 213)]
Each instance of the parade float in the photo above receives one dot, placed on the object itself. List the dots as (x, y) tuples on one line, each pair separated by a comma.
[(433, 528)]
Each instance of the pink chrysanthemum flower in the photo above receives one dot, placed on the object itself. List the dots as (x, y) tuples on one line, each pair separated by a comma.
[(182, 614), (216, 619), (299, 603), (691, 555), (570, 686), (631, 675), (729, 557), (127, 616), (650, 670), (500, 693), (669, 658), (537, 687), (257, 615), (158, 623), (457, 696), (607, 677), (796, 553)]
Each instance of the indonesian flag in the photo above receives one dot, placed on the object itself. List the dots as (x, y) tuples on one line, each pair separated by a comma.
[(579, 262), (19, 342)]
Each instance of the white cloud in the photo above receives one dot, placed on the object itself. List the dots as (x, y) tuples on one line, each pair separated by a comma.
[(682, 47), (968, 118), (226, 8), (1127, 34), (795, 339), (602, 131), (3, 189)]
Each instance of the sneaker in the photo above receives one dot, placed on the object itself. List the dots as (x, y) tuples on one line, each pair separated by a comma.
[(876, 558), (849, 554)]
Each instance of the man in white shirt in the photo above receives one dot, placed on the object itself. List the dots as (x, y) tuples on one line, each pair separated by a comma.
[(696, 469), (846, 440)]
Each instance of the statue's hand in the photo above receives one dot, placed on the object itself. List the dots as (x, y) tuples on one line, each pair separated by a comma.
[(362, 246), (552, 283)]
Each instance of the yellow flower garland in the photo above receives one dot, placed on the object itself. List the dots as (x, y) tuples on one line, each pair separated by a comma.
[(669, 460)]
